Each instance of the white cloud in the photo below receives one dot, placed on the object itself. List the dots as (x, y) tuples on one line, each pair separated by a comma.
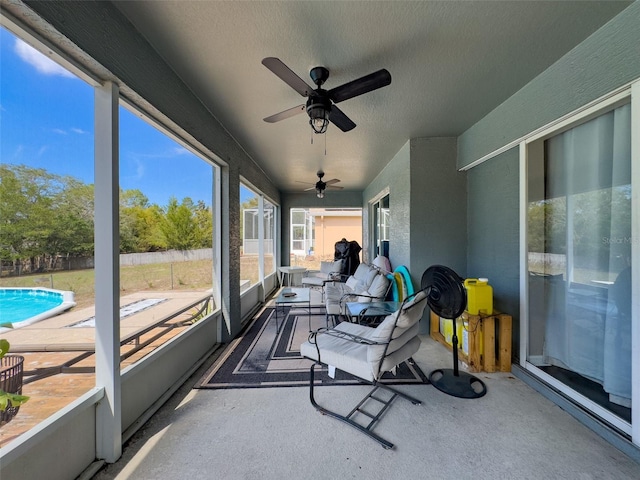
[(42, 63), (59, 131), (42, 150), (181, 151), (79, 131), (137, 166)]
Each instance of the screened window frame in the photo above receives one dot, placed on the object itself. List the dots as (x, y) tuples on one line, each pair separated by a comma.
[(260, 221)]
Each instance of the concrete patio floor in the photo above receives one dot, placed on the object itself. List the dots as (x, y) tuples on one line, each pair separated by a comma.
[(275, 433)]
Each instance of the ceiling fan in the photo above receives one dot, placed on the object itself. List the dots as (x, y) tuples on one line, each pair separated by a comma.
[(321, 186), (320, 104)]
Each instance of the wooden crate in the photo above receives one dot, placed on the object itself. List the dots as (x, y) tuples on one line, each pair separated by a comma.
[(482, 327)]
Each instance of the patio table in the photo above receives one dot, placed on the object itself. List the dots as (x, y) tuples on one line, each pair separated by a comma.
[(295, 272), (291, 296)]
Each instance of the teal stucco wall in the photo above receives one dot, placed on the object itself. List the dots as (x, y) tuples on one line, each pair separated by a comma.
[(607, 60)]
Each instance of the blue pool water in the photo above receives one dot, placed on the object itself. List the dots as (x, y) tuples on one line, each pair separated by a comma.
[(20, 304)]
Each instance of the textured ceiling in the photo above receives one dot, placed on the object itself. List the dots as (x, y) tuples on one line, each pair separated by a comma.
[(451, 63)]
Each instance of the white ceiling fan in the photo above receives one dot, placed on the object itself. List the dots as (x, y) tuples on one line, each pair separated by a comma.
[(320, 186)]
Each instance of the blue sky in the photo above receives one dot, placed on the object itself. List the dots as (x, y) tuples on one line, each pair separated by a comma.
[(46, 121)]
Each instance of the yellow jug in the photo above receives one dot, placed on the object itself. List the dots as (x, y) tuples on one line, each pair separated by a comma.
[(479, 296)]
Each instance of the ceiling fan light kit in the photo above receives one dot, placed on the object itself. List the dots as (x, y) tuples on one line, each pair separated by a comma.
[(318, 109), (320, 104)]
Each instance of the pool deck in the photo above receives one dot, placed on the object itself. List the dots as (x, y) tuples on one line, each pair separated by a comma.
[(48, 344), (51, 334)]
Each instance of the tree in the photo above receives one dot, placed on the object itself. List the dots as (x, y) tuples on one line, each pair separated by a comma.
[(26, 196), (133, 198), (73, 220), (44, 216), (139, 223), (204, 220), (140, 229), (13, 211), (179, 225)]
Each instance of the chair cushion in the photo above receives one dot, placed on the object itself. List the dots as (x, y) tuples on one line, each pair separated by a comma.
[(348, 356), (335, 291), (401, 355), (354, 284), (360, 359), (408, 316), (412, 310), (371, 276), (375, 352), (379, 286), (362, 272), (325, 274), (365, 297), (315, 281), (382, 263), (325, 267), (336, 266), (331, 267)]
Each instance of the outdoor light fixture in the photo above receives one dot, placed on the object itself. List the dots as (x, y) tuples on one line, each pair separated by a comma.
[(318, 109)]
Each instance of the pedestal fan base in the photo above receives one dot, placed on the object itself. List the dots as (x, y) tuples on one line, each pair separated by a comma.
[(461, 385)]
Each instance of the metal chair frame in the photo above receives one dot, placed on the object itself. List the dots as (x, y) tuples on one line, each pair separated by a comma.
[(376, 384)]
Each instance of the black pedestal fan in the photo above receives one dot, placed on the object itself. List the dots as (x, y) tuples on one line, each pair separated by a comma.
[(448, 299)]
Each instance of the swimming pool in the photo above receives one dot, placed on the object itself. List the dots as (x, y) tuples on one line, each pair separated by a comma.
[(24, 306)]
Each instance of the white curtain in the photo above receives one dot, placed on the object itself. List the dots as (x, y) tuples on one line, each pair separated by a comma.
[(588, 168)]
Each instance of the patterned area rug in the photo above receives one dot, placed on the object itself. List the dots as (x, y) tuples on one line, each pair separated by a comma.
[(262, 357)]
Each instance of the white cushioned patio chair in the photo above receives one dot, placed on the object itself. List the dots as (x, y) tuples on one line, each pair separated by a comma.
[(329, 272), (368, 283), (368, 353)]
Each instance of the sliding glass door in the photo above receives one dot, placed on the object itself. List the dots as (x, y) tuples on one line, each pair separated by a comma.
[(579, 262)]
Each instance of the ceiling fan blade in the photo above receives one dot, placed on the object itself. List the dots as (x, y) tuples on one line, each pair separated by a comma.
[(333, 180), (365, 84), (286, 114), (340, 120), (287, 75), (334, 187), (309, 189)]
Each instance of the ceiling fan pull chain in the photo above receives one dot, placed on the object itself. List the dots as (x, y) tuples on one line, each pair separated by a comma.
[(325, 144)]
